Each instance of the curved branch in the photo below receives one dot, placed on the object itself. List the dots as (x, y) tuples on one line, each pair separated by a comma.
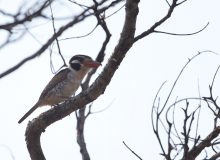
[(162, 20), (155, 25), (77, 19), (183, 34), (83, 15), (159, 110), (27, 18), (177, 78), (38, 125), (81, 36)]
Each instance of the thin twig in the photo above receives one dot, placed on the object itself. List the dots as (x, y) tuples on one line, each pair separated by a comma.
[(175, 82), (57, 42), (80, 17), (77, 19), (155, 126), (168, 3), (26, 18), (158, 23), (183, 34), (82, 36), (181, 2), (115, 11), (99, 111), (198, 118), (79, 4), (132, 151)]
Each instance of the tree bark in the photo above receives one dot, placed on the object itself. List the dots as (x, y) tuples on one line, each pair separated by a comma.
[(38, 125)]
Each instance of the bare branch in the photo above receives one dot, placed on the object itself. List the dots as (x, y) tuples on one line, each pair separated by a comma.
[(82, 36), (213, 100), (83, 15), (80, 133), (77, 19), (155, 125), (6, 14), (27, 18), (155, 25), (198, 118), (196, 150), (38, 125), (57, 42), (132, 151), (187, 124), (181, 2), (174, 124), (168, 3), (82, 116), (213, 80), (115, 12), (99, 111), (79, 4), (174, 84), (152, 29), (215, 156), (183, 34)]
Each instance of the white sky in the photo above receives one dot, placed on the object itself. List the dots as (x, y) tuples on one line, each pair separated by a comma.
[(148, 64)]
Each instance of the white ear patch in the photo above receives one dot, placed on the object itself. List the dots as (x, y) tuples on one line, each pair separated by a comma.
[(75, 61)]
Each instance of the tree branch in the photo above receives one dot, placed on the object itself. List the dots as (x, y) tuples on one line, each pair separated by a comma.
[(79, 18), (155, 25), (80, 133), (133, 152), (81, 112), (27, 18), (196, 150), (183, 34), (215, 156), (157, 119), (38, 125)]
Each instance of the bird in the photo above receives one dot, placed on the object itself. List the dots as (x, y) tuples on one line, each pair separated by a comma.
[(65, 83)]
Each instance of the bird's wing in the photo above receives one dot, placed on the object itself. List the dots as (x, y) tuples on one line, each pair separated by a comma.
[(59, 77)]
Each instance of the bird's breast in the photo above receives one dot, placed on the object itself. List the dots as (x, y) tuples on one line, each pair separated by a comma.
[(70, 85)]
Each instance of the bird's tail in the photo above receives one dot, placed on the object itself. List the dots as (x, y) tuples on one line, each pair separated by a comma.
[(28, 113)]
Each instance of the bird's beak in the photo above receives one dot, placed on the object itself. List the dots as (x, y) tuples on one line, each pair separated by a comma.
[(91, 64)]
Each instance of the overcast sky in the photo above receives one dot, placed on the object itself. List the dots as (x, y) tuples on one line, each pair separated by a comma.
[(150, 62)]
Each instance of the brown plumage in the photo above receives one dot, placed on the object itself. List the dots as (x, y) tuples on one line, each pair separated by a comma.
[(65, 83)]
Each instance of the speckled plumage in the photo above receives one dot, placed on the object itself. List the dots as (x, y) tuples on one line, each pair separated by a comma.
[(65, 83)]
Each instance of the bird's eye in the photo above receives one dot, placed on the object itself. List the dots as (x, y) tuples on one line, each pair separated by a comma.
[(75, 66)]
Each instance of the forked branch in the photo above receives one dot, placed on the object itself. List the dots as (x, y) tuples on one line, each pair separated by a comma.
[(38, 125)]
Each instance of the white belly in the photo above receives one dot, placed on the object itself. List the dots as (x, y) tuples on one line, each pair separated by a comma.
[(70, 86)]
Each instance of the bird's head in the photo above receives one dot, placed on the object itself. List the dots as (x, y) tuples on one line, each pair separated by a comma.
[(82, 63)]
